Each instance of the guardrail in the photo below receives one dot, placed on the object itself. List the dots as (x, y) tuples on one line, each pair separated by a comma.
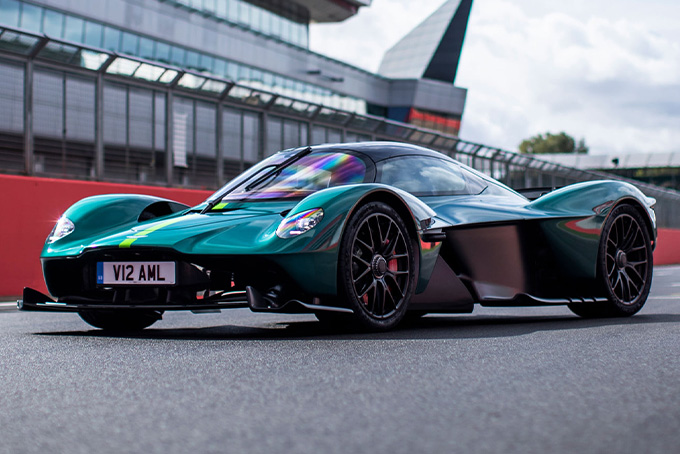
[(524, 171)]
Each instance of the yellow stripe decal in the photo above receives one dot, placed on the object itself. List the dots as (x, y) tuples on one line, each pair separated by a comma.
[(220, 206), (131, 239)]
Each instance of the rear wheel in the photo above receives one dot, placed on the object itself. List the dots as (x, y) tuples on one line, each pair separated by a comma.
[(377, 266), (624, 266), (121, 320)]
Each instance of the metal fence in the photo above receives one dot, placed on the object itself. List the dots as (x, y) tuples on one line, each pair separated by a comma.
[(78, 112)]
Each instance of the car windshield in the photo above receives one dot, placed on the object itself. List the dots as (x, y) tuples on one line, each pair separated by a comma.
[(310, 173), (425, 176)]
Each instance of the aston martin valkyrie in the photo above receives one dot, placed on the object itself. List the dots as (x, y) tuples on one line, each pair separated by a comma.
[(364, 233)]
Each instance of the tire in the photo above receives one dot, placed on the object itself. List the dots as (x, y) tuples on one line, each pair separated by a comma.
[(377, 266), (121, 320), (624, 266)]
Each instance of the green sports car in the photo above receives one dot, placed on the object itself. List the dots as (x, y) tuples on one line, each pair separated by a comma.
[(364, 233)]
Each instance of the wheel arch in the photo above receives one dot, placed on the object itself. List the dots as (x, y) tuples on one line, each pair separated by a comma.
[(640, 208), (394, 201), (424, 264)]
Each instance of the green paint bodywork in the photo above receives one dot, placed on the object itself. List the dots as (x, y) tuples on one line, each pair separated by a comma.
[(96, 217), (247, 228), (571, 218)]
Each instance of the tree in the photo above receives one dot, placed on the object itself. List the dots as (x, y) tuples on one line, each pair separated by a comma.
[(552, 143)]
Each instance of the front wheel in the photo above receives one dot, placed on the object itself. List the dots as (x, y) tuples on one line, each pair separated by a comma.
[(377, 267), (121, 320), (624, 266)]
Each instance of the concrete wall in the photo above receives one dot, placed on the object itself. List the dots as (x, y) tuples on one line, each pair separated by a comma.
[(31, 206)]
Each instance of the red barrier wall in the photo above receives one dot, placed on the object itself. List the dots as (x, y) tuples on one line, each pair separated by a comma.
[(31, 206), (667, 250)]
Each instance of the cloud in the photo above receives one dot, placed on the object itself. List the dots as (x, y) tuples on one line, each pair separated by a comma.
[(612, 81), (608, 71)]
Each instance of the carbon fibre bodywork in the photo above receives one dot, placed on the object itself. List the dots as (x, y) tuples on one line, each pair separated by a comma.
[(480, 242), (544, 251)]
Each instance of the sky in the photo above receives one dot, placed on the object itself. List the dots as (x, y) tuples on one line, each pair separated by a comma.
[(607, 71)]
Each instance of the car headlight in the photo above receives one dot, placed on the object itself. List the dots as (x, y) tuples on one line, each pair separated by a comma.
[(299, 223), (64, 227)]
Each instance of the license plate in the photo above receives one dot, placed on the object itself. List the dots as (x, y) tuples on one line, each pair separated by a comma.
[(136, 273)]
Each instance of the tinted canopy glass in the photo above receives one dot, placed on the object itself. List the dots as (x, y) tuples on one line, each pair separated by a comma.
[(305, 176), (428, 176)]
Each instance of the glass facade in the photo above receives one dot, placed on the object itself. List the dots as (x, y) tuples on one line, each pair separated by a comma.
[(284, 133), (63, 123), (133, 133), (57, 25), (255, 18), (324, 134), (48, 104), (152, 132), (79, 105), (11, 98)]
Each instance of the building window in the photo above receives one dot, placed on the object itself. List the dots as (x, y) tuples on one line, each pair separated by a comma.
[(251, 137), (115, 114), (231, 134), (73, 30), (159, 121), (147, 48), (274, 140), (31, 17), (48, 104), (63, 124), (206, 132), (163, 53), (140, 117), (194, 143), (11, 98), (291, 134), (93, 34), (255, 17), (53, 24), (130, 44), (10, 12), (80, 115), (111, 39)]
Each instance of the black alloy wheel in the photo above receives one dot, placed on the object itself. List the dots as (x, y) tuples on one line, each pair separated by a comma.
[(624, 265), (377, 266)]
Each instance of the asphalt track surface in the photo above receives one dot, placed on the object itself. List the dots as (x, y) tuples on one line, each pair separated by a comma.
[(497, 381)]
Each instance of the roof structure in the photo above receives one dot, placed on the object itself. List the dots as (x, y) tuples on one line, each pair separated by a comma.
[(332, 10), (432, 49)]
